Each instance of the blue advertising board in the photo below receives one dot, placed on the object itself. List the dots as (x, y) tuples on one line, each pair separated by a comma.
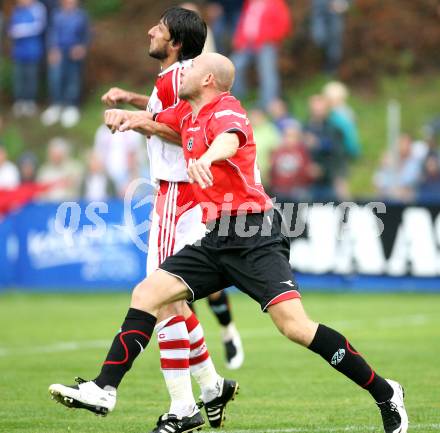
[(86, 246)]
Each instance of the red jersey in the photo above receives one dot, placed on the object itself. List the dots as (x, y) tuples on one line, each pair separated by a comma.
[(237, 185)]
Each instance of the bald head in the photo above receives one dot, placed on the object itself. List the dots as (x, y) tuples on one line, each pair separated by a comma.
[(220, 67), (210, 73)]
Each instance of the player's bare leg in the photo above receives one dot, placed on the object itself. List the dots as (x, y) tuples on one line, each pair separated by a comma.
[(293, 322), (220, 306)]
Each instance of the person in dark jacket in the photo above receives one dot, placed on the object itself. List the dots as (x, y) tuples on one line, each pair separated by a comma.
[(26, 29), (68, 39)]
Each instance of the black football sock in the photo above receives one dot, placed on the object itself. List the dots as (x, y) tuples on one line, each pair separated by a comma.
[(220, 307), (341, 355), (130, 341)]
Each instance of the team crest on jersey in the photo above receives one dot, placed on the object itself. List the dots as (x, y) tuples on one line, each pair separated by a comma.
[(190, 143)]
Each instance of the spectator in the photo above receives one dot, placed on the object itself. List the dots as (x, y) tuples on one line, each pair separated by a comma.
[(97, 185), (267, 138), (9, 176), (325, 144), (428, 189), (223, 16), (115, 151), (327, 27), (68, 38), (1, 29), (61, 170), (26, 29), (262, 27), (292, 170), (27, 166), (281, 117), (342, 117), (397, 179)]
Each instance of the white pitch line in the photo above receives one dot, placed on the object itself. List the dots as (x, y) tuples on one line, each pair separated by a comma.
[(66, 346), (249, 333), (347, 429)]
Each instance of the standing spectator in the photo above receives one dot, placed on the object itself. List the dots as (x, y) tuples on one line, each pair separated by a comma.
[(26, 29), (97, 186), (326, 148), (292, 170), (327, 28), (262, 27), (68, 39), (9, 176), (117, 151), (61, 170), (267, 138), (224, 16), (1, 29), (342, 117)]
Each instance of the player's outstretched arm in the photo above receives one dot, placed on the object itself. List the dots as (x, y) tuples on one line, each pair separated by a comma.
[(223, 147), (117, 95), (139, 121)]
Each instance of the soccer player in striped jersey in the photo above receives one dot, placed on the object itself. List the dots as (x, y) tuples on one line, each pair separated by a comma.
[(178, 37), (167, 167)]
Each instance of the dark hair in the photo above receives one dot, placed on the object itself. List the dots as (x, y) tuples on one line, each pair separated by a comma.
[(187, 28)]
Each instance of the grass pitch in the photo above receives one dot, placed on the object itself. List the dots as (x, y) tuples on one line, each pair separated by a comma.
[(284, 388)]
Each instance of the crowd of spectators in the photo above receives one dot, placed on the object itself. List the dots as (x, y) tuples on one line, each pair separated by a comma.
[(411, 171), (307, 160), (58, 31), (104, 171)]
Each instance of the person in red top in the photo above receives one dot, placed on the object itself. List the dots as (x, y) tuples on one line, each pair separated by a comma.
[(263, 25), (292, 170), (245, 245)]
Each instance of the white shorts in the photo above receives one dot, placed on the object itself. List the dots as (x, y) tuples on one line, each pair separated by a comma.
[(176, 222)]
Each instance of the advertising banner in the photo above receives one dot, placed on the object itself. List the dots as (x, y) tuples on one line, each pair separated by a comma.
[(103, 246)]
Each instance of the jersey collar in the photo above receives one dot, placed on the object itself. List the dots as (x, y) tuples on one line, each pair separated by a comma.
[(173, 67), (210, 105)]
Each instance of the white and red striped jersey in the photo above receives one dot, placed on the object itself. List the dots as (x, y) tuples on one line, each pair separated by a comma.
[(166, 159)]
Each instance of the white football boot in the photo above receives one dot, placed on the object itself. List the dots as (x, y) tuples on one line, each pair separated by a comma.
[(394, 416), (85, 395)]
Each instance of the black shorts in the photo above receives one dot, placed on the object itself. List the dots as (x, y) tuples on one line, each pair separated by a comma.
[(250, 252)]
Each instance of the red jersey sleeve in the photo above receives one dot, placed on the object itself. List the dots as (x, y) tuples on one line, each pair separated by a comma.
[(229, 117), (174, 116)]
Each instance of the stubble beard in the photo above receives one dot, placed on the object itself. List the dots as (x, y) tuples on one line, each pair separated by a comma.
[(158, 54)]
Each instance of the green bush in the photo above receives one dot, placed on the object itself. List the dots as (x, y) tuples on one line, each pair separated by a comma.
[(5, 77), (99, 9)]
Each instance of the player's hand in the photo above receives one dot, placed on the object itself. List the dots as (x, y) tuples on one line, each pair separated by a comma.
[(114, 119), (115, 96), (199, 172), (140, 121)]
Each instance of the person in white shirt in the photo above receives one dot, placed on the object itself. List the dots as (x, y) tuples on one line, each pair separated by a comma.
[(9, 175)]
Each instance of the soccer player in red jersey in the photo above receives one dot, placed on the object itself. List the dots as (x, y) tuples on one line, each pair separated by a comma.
[(245, 245)]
